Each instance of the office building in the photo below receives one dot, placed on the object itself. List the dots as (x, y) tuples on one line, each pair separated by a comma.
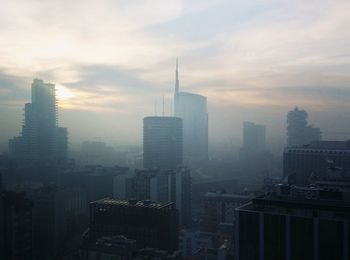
[(41, 140), (302, 162), (253, 156), (219, 208), (298, 130), (254, 136), (192, 108), (159, 186), (162, 142), (151, 224), (294, 223)]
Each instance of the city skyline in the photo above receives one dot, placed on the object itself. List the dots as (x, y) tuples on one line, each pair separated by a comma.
[(124, 62)]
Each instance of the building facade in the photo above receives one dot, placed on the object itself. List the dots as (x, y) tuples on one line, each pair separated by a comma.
[(151, 224), (192, 108), (41, 140), (162, 142), (294, 223), (302, 162)]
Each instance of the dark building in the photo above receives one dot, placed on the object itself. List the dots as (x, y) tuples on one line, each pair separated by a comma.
[(298, 130), (159, 186), (41, 140), (295, 223), (192, 109), (151, 224), (219, 208), (301, 163), (16, 226), (162, 142), (59, 219), (1, 221)]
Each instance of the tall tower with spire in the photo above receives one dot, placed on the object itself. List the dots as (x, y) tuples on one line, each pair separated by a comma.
[(192, 108), (177, 87)]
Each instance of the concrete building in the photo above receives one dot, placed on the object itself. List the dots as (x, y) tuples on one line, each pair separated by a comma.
[(151, 224), (298, 130), (192, 108), (302, 162), (162, 142), (294, 223), (41, 140)]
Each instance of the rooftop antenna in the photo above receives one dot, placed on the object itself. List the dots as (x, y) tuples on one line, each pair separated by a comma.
[(155, 107)]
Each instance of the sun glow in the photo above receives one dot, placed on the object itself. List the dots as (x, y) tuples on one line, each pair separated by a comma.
[(63, 93)]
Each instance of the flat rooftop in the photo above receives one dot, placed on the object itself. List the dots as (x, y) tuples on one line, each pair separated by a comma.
[(133, 203)]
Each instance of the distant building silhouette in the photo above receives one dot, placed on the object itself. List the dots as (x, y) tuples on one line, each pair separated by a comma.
[(298, 130), (41, 139), (254, 136), (192, 108), (300, 163), (162, 142), (253, 155)]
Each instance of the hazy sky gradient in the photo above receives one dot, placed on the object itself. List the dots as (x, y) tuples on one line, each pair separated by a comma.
[(112, 60)]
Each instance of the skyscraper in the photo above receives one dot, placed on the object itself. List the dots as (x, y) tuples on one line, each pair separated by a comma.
[(41, 139), (298, 130), (162, 142), (254, 136), (192, 108)]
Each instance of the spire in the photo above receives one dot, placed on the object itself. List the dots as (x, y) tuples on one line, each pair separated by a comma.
[(177, 78)]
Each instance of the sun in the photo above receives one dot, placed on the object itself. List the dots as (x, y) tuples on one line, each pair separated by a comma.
[(63, 93)]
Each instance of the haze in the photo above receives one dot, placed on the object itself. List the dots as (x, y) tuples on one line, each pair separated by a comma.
[(112, 61)]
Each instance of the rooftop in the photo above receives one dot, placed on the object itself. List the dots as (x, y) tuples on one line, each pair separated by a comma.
[(133, 203)]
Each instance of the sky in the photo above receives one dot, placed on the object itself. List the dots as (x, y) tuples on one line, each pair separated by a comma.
[(113, 61)]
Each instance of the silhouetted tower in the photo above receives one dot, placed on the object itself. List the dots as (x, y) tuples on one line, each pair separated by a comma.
[(192, 108), (298, 130), (162, 142)]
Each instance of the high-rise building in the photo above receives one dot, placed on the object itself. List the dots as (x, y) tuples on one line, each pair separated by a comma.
[(302, 162), (162, 142), (254, 136), (294, 223), (298, 130), (41, 139), (151, 224), (192, 108), (254, 150)]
